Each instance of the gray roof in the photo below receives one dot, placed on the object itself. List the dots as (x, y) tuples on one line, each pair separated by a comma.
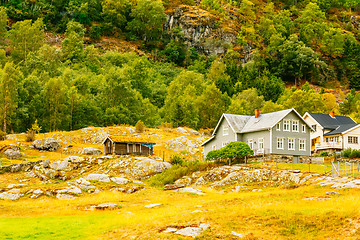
[(328, 122), (340, 129), (244, 124), (338, 124)]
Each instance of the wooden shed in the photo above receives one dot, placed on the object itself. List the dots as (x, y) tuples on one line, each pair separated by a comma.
[(122, 145)]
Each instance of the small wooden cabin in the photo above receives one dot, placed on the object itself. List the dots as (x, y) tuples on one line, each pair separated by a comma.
[(121, 145)]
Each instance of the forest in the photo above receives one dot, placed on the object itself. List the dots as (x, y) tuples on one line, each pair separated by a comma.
[(73, 82)]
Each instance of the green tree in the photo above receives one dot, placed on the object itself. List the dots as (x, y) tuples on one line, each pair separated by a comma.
[(55, 102), (245, 102), (26, 37), (3, 25), (148, 18), (9, 81), (115, 14), (217, 74), (72, 45), (232, 151)]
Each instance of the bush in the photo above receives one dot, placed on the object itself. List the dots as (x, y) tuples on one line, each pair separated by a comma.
[(30, 136), (234, 151), (346, 153), (177, 171), (140, 127), (349, 153), (324, 154), (175, 159)]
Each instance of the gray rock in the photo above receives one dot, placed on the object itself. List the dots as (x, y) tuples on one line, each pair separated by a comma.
[(37, 193), (104, 206), (240, 235), (170, 230), (190, 231), (131, 130), (182, 130), (64, 196), (332, 193), (10, 186), (153, 205), (98, 177), (45, 164), (194, 132), (12, 154), (119, 180), (70, 190), (191, 190), (13, 194), (91, 151), (145, 167), (47, 144)]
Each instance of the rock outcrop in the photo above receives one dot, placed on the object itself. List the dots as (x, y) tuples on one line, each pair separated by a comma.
[(47, 144), (91, 151), (12, 154)]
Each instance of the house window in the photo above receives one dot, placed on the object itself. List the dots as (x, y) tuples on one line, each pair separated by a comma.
[(286, 125), (280, 143), (336, 139), (278, 127), (134, 147), (304, 128), (302, 144), (250, 142), (226, 131), (295, 125), (213, 147), (352, 139), (261, 143), (224, 144), (291, 145), (314, 127)]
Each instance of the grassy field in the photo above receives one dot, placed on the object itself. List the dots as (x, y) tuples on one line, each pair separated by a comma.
[(274, 213)]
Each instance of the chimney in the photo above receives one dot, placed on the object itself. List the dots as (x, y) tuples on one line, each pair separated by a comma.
[(257, 113), (332, 114)]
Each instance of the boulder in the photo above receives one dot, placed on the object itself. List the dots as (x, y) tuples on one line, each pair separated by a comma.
[(104, 206), (13, 194), (12, 154), (37, 193), (240, 235), (119, 180), (182, 130), (145, 167), (65, 196), (190, 231), (91, 151), (70, 190), (153, 205), (47, 144), (191, 190), (98, 177)]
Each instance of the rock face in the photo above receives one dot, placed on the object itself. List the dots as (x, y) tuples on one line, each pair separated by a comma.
[(12, 154), (201, 30), (13, 194), (47, 144), (98, 177), (146, 167), (91, 151)]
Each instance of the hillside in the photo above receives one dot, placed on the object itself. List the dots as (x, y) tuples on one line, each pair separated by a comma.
[(73, 64), (67, 194)]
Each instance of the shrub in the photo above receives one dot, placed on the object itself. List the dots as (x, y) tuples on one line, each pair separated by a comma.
[(355, 154), (346, 153), (175, 159), (324, 154), (177, 171), (234, 151), (140, 127), (30, 135)]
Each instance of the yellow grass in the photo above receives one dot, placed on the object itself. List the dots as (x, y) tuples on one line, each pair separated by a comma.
[(274, 213)]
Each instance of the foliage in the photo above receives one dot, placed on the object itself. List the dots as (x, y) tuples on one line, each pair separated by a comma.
[(234, 150), (351, 153), (140, 127), (178, 170)]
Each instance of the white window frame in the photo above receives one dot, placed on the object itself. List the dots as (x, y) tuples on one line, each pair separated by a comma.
[(134, 147), (352, 141), (291, 144), (286, 125), (302, 142), (303, 128), (261, 143), (278, 127), (280, 140), (251, 144), (224, 144), (226, 130), (295, 123), (213, 147)]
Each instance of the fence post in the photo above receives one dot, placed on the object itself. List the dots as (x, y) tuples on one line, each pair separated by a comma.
[(345, 169)]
